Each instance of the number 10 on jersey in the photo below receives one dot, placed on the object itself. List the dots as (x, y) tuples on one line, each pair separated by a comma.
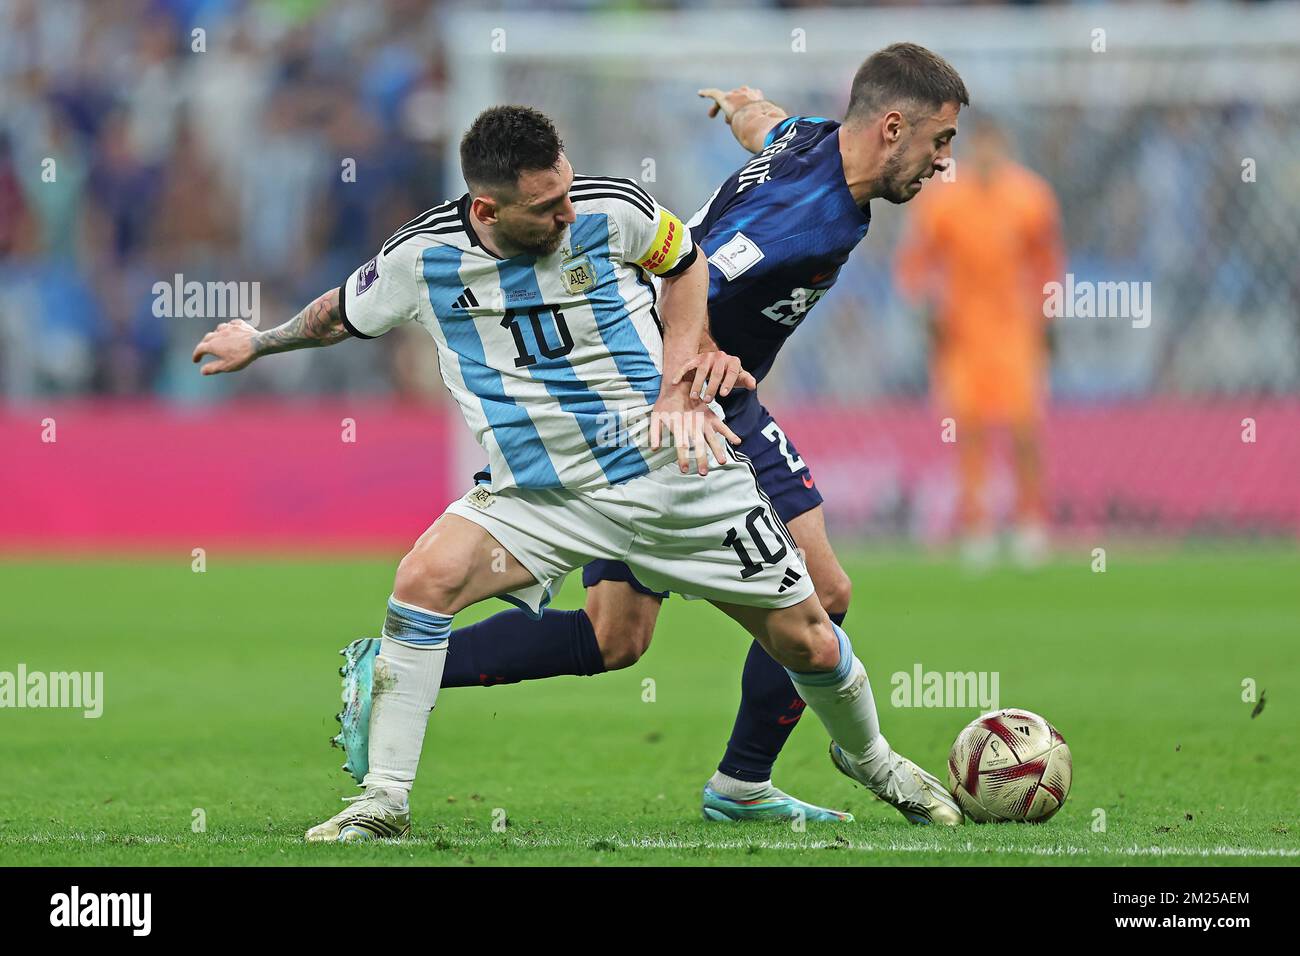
[(520, 323)]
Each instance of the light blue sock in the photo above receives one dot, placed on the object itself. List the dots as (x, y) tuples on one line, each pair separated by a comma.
[(416, 626)]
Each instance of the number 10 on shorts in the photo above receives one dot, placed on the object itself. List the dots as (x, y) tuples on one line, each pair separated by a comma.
[(748, 566)]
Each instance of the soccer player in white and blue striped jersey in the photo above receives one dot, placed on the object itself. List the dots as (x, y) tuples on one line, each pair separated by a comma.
[(549, 346), (568, 366)]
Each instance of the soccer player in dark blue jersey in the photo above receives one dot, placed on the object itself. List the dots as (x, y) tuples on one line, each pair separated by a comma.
[(776, 234)]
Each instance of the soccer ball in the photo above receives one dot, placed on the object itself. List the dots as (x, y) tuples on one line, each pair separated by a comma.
[(1009, 765)]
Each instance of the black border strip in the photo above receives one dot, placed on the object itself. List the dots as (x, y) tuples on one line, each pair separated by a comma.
[(683, 264), (343, 313)]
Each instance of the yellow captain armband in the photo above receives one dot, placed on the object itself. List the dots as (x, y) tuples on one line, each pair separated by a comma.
[(666, 248)]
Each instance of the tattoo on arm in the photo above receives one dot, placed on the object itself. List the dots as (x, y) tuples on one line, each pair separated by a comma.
[(318, 324)]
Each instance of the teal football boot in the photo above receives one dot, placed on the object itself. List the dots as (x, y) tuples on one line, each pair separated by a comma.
[(772, 804), (358, 673)]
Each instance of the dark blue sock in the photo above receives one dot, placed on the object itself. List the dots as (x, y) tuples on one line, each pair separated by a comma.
[(769, 709), (512, 646)]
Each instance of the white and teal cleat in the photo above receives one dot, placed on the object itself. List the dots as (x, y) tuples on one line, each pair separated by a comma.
[(772, 804), (358, 673), (373, 815), (919, 796)]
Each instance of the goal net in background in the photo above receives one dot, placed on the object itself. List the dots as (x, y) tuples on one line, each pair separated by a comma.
[(1172, 140)]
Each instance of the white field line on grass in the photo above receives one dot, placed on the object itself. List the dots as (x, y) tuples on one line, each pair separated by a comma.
[(659, 843)]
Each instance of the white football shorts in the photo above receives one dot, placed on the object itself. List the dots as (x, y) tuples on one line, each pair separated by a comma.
[(713, 536)]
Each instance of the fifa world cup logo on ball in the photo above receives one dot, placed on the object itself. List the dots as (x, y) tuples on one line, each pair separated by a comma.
[(1009, 766)]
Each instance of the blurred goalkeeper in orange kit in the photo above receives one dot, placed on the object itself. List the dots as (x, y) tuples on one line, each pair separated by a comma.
[(980, 245)]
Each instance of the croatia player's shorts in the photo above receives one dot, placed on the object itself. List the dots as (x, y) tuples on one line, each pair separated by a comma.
[(783, 478), (713, 536)]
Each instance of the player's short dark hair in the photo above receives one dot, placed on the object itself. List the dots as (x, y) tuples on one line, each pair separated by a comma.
[(904, 76), (505, 141)]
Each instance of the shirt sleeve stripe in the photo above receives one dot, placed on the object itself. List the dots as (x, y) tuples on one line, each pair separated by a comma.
[(582, 193), (343, 312), (628, 184)]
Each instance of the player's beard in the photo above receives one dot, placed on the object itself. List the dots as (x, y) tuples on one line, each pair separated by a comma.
[(893, 182), (534, 244), (896, 185)]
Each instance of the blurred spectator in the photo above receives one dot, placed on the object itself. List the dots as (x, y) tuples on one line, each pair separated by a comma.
[(17, 225)]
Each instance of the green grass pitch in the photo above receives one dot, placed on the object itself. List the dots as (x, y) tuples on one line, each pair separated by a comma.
[(220, 690)]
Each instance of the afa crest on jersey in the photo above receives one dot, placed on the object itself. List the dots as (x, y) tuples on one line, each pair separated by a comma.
[(579, 275)]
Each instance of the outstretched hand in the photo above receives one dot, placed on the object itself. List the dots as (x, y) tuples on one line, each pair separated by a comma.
[(231, 344), (729, 102)]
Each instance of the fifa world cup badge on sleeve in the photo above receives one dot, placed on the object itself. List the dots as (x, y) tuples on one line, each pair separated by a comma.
[(736, 255), (367, 276)]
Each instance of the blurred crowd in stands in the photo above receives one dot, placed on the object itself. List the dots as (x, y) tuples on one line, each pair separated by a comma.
[(226, 165), (127, 158)]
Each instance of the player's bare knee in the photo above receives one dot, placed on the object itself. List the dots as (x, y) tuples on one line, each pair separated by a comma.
[(822, 647), (620, 647), (802, 640), (624, 622), (836, 592), (623, 639), (427, 581), (807, 655), (795, 658)]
